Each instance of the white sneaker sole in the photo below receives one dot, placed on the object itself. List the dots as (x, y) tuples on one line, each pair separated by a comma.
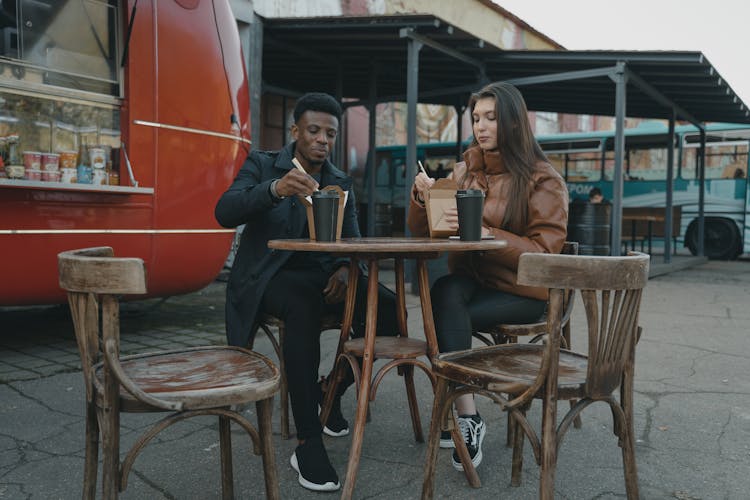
[(329, 486), (477, 459), (342, 432), (332, 433)]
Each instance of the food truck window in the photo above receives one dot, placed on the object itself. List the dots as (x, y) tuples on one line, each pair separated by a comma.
[(65, 43)]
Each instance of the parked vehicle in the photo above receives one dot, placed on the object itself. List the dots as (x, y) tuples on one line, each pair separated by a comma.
[(121, 123), (586, 160)]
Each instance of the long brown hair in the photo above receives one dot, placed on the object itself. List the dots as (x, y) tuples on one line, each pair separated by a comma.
[(517, 147)]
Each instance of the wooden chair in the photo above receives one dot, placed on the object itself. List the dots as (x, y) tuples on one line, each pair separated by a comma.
[(509, 333), (187, 382), (611, 289), (266, 324)]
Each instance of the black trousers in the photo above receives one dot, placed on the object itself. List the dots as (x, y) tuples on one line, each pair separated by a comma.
[(460, 305), (296, 297)]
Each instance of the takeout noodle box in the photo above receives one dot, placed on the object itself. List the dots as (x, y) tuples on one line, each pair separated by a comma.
[(441, 196), (307, 202)]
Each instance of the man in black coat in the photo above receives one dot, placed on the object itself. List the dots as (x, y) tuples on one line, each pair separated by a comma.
[(297, 287)]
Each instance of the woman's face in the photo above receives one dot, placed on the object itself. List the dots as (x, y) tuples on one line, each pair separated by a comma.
[(484, 123)]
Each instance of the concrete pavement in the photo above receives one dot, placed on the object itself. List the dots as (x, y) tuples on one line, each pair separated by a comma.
[(692, 415)]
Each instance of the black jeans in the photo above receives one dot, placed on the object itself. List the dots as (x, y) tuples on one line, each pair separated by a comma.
[(296, 297), (460, 305)]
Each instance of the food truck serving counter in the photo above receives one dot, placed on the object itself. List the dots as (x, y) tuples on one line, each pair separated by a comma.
[(118, 127)]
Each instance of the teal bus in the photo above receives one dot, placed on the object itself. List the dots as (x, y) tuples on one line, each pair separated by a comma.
[(586, 160)]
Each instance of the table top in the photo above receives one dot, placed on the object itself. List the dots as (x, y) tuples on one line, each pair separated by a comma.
[(387, 245)]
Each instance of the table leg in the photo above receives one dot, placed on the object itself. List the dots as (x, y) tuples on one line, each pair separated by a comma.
[(364, 389), (346, 328)]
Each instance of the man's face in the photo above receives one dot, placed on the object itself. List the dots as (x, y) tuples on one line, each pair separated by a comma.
[(315, 133)]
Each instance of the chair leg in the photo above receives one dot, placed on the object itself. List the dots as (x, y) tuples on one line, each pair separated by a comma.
[(549, 444), (566, 336), (225, 445), (110, 428), (92, 453), (518, 440), (283, 387), (411, 393), (264, 408), (433, 439), (628, 433)]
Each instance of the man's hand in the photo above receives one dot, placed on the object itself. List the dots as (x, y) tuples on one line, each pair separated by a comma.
[(335, 290), (296, 182)]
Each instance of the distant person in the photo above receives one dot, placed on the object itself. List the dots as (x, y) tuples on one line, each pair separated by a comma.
[(595, 196), (739, 174)]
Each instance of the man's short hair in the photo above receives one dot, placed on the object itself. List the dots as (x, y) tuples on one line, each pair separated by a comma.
[(317, 101), (594, 192)]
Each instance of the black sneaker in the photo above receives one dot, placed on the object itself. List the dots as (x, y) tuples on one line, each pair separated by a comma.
[(314, 470), (472, 429), (336, 426), (446, 441)]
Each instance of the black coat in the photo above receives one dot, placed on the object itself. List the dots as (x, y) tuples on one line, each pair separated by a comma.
[(249, 201)]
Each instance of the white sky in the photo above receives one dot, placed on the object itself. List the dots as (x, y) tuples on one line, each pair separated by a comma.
[(718, 28)]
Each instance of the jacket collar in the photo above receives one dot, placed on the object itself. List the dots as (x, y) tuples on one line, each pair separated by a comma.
[(284, 161), (489, 162)]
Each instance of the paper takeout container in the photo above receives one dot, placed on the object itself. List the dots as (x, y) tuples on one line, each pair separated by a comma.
[(441, 196), (307, 202)]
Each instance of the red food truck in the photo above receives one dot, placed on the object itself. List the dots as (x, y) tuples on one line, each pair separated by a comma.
[(121, 123)]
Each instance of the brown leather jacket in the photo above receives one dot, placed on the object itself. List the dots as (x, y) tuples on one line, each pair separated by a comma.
[(545, 232)]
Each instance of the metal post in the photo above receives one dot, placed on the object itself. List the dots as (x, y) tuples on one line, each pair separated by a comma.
[(701, 192), (372, 169), (284, 124), (412, 95), (459, 127), (338, 150), (668, 222), (620, 79)]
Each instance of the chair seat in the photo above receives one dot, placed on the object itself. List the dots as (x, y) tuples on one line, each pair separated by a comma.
[(510, 368), (389, 347), (202, 377)]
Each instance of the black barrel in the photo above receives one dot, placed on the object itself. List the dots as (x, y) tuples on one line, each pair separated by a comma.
[(589, 225)]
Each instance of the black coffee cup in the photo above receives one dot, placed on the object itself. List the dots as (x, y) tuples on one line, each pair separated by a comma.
[(325, 214), (470, 204)]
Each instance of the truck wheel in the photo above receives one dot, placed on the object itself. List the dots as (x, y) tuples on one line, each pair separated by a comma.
[(721, 238)]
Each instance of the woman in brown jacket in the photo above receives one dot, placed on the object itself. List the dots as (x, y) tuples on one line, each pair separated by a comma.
[(526, 204)]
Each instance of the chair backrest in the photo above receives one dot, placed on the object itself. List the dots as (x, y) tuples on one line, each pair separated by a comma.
[(92, 276), (611, 289)]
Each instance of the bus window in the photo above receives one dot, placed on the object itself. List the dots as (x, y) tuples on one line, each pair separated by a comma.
[(66, 43), (723, 161), (584, 167), (648, 165)]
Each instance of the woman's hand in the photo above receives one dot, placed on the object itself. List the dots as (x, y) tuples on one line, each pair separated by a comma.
[(450, 217), (423, 184)]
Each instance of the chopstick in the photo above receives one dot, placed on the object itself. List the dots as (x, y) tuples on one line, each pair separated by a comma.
[(421, 167), (298, 165)]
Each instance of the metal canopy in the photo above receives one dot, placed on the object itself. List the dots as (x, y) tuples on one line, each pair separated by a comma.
[(421, 58), (337, 55)]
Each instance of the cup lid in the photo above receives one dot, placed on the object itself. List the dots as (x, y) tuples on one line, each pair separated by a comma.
[(470, 193), (327, 193)]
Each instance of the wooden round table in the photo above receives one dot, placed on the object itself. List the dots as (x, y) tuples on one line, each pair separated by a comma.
[(402, 350)]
